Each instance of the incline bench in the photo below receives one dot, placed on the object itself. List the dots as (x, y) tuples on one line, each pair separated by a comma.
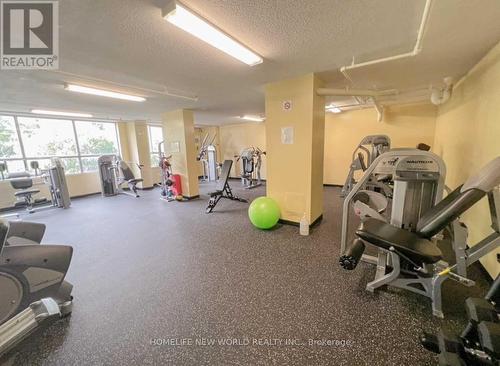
[(223, 190)]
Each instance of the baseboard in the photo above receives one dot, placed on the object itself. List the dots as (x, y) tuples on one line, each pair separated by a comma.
[(85, 195), (232, 178), (332, 185), (297, 224)]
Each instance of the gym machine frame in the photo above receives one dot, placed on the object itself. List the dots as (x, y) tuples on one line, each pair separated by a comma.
[(30, 300), (379, 145), (385, 164), (223, 190), (251, 162), (113, 172), (429, 273)]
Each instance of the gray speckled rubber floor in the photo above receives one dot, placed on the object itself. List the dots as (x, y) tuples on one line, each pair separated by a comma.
[(147, 272)]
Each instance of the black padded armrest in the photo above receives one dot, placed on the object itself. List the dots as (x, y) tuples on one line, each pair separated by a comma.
[(383, 235)]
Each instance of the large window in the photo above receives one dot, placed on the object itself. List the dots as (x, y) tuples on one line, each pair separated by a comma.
[(155, 138), (77, 143), (10, 148), (95, 139)]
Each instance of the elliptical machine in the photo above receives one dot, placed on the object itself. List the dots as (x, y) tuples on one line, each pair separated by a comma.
[(32, 286), (251, 162)]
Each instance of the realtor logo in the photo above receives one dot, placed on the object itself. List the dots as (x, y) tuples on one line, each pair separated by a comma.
[(30, 35)]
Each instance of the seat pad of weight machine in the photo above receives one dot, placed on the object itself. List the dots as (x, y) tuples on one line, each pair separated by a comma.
[(26, 192), (135, 181), (385, 236)]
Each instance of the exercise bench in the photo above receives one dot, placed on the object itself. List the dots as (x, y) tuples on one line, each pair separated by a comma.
[(223, 190)]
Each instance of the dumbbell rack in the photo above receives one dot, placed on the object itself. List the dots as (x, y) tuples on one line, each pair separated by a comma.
[(479, 343)]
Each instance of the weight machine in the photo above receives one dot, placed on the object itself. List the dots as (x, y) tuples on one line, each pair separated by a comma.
[(408, 255), (113, 173), (370, 148), (207, 155), (55, 179), (251, 162)]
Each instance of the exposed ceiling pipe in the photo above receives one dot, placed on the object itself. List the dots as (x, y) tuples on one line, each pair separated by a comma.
[(441, 96), (416, 49), (370, 94), (355, 92), (379, 108)]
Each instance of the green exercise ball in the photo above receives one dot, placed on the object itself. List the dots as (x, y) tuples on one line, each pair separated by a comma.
[(264, 212)]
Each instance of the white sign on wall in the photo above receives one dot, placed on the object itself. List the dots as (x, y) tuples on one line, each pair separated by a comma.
[(287, 105), (287, 135)]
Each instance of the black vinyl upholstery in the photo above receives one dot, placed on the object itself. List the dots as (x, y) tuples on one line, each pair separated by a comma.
[(26, 192), (452, 206), (416, 246), (21, 183), (411, 245), (224, 175), (128, 175)]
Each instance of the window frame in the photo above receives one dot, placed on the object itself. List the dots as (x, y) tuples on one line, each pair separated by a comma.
[(153, 150), (79, 156)]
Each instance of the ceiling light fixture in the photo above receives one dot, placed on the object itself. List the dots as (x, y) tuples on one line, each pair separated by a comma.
[(103, 93), (187, 20), (333, 109), (248, 117), (61, 113)]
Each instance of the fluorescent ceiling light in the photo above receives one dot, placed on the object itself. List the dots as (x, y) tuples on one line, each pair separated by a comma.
[(333, 109), (185, 19), (61, 113), (248, 117), (103, 93)]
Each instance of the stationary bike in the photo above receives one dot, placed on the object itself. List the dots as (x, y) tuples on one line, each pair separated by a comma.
[(32, 285)]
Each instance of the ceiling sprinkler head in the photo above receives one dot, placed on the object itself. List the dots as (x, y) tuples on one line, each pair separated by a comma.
[(448, 81)]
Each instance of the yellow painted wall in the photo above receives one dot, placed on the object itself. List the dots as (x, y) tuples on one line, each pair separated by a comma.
[(405, 125), (134, 143), (178, 128), (123, 137), (235, 138), (468, 136), (295, 171), (143, 155)]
